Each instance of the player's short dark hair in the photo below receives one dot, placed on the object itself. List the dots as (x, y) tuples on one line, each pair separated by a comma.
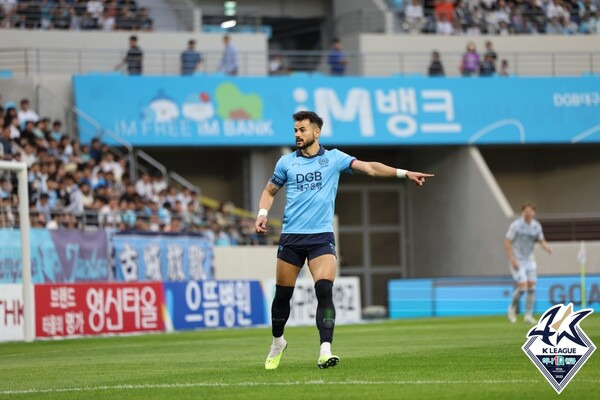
[(309, 115), (133, 38), (528, 204)]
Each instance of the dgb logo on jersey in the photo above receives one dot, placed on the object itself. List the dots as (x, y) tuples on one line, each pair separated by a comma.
[(309, 177), (558, 346)]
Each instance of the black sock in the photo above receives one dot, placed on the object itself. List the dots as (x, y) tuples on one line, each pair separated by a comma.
[(325, 309), (280, 309)]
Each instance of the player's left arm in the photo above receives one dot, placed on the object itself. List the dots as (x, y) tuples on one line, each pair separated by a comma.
[(546, 246), (379, 170)]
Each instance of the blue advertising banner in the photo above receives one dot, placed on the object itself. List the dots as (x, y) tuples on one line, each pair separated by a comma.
[(213, 304), (57, 256), (248, 111), (483, 296), (147, 257)]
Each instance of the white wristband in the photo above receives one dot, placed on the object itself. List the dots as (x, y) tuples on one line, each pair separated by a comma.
[(262, 212), (401, 173)]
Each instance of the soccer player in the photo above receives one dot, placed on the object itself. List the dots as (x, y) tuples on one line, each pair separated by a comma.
[(520, 239), (311, 175)]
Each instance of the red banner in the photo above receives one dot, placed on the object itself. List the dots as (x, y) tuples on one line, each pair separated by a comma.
[(93, 309)]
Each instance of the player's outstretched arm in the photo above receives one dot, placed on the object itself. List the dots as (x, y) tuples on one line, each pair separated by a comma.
[(546, 246), (379, 170), (265, 203)]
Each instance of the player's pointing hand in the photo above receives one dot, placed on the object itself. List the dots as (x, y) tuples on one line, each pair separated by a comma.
[(418, 177)]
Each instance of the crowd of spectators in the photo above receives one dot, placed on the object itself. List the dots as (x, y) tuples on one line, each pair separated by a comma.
[(107, 15), (73, 185), (498, 17)]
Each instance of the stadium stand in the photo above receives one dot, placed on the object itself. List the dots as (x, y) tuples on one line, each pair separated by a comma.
[(88, 187), (105, 15), (497, 17)]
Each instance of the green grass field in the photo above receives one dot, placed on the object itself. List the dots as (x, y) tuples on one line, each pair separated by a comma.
[(445, 358)]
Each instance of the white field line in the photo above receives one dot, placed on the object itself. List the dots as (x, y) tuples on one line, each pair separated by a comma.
[(248, 384)]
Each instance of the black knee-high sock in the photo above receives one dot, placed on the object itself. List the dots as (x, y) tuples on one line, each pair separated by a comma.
[(325, 309), (280, 309)]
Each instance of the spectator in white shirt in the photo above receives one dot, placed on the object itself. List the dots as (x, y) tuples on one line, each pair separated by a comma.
[(95, 8), (74, 194), (414, 16), (87, 196), (144, 186), (158, 184), (443, 27), (171, 196), (110, 215), (556, 9), (26, 113), (595, 24), (15, 133), (28, 155), (109, 164), (185, 197), (107, 22)]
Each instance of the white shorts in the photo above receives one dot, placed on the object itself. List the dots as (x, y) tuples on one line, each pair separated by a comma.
[(527, 272)]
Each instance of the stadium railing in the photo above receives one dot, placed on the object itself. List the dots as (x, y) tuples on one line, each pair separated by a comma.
[(37, 61)]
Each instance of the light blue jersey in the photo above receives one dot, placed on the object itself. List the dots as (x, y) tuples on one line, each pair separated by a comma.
[(524, 237), (311, 185)]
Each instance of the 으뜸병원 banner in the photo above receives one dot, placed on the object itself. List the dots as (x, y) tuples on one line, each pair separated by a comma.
[(214, 304)]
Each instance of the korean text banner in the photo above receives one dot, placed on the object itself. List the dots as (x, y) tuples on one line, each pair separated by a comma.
[(162, 257), (11, 312), (346, 297), (248, 111), (93, 309), (57, 256), (213, 304)]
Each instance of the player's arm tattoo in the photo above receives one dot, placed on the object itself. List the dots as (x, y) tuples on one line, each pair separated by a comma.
[(272, 189)]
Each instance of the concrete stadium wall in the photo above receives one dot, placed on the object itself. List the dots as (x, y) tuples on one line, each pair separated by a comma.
[(457, 223), (529, 55), (13, 38), (564, 258), (559, 179), (258, 262), (245, 262), (15, 89), (71, 52)]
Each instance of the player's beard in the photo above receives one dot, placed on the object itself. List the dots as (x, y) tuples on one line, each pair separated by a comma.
[(304, 143)]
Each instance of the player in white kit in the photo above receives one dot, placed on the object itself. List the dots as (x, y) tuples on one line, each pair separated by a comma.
[(519, 242)]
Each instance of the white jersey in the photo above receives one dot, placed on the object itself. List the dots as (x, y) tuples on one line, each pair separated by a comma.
[(524, 237)]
